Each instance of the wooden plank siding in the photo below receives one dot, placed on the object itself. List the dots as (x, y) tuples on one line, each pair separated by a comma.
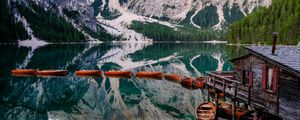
[(262, 99), (282, 100), (289, 96)]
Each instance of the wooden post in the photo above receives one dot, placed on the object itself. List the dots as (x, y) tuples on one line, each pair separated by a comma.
[(207, 93), (277, 107), (214, 82), (233, 110), (217, 98), (255, 115), (249, 96), (224, 87), (234, 101)]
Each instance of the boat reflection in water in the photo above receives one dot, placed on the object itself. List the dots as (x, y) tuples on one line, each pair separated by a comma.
[(106, 98)]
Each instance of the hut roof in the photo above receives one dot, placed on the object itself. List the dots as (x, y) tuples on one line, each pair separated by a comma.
[(285, 57)]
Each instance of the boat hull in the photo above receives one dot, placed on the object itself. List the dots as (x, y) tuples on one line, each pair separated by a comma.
[(24, 71), (206, 111), (199, 82), (88, 73), (118, 73), (187, 82), (149, 74), (173, 77), (227, 109), (52, 73)]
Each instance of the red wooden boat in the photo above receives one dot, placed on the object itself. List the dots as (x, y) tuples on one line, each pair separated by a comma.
[(22, 75), (221, 94), (24, 71), (88, 73), (173, 77), (226, 107), (118, 76), (206, 111), (149, 78), (118, 73), (199, 82), (149, 74), (186, 82), (52, 72), (211, 91)]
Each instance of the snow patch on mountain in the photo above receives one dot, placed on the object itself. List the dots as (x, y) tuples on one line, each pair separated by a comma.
[(144, 11), (89, 2), (184, 12), (121, 24), (33, 43), (178, 9)]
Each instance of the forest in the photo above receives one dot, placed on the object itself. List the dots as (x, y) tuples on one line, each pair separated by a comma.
[(283, 16), (207, 17), (160, 32), (10, 31), (48, 26)]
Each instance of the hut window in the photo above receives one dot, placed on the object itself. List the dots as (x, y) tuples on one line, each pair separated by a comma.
[(245, 77), (270, 79)]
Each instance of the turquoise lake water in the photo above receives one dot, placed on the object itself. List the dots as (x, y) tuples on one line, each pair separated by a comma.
[(74, 97)]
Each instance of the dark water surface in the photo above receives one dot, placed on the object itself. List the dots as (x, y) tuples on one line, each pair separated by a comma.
[(74, 97)]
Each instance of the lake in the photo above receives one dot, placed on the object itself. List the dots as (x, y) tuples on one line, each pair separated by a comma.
[(74, 97)]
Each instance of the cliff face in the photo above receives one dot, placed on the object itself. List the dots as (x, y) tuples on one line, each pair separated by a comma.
[(177, 10), (82, 7)]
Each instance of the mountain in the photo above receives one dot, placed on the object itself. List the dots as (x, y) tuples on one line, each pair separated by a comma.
[(205, 15), (201, 13), (51, 21), (10, 30), (107, 20), (283, 16)]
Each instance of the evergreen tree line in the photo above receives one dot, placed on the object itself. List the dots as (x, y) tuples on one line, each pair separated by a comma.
[(283, 16), (207, 17), (160, 32), (48, 26), (96, 6), (10, 31), (109, 14), (232, 14)]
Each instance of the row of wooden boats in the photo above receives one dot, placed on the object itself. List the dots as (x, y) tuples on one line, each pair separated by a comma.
[(195, 83), (187, 82), (208, 110), (83, 73), (39, 72)]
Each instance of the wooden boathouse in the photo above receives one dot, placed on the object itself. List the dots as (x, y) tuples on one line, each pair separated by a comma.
[(266, 79)]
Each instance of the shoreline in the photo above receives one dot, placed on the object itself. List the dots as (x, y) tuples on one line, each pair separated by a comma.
[(144, 42)]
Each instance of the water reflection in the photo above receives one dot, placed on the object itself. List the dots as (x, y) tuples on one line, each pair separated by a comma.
[(74, 97)]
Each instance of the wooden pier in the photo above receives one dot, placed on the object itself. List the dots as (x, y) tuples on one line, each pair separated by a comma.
[(264, 80), (223, 82)]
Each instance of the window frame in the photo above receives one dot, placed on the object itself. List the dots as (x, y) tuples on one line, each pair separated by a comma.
[(266, 78), (245, 77), (269, 80)]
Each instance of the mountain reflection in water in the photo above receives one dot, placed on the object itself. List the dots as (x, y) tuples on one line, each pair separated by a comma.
[(74, 97)]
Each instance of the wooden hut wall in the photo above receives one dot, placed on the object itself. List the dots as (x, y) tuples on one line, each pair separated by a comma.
[(259, 96), (289, 96), (239, 66)]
